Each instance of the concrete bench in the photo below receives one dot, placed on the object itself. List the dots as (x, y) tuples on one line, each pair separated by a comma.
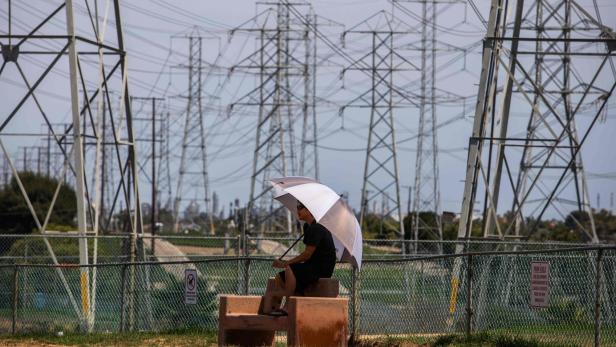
[(312, 321)]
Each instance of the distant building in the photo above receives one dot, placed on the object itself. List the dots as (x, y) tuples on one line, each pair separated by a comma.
[(215, 204), (192, 210)]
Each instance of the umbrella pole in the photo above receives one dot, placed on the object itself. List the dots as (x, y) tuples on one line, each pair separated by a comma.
[(293, 245)]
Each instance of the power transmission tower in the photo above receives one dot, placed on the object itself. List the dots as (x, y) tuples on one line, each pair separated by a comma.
[(282, 65), (193, 161), (383, 62), (309, 158), (423, 15), (551, 65), (69, 44), (427, 192), (530, 67)]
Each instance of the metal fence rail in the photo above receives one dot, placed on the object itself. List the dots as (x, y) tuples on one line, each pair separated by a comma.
[(41, 249), (389, 296)]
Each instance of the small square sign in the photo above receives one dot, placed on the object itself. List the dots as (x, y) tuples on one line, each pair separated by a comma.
[(190, 286)]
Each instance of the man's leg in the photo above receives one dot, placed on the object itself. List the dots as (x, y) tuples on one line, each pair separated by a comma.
[(290, 281), (289, 285), (273, 295)]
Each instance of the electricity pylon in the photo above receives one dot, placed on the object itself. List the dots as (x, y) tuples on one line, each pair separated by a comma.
[(550, 72), (383, 62), (283, 63), (66, 47), (193, 161)]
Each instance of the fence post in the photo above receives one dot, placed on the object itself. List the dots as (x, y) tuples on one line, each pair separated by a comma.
[(599, 271), (354, 305), (469, 292), (123, 300), (245, 235), (15, 297), (246, 275)]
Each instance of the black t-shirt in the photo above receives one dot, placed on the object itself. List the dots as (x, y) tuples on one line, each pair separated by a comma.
[(324, 257)]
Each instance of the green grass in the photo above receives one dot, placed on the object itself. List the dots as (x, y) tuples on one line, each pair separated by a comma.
[(485, 339), (171, 338), (574, 334), (194, 337), (368, 250), (482, 339), (34, 250), (216, 243)]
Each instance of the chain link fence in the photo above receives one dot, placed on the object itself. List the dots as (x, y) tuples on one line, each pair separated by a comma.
[(63, 248), (464, 293)]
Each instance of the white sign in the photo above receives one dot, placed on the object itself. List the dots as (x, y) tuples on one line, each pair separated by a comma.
[(190, 286), (539, 283)]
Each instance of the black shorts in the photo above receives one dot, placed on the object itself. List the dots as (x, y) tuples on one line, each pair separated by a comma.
[(305, 275)]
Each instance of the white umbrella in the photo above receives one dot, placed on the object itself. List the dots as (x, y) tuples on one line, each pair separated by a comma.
[(328, 209)]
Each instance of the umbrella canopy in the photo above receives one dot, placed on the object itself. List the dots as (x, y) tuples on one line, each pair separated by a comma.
[(328, 209)]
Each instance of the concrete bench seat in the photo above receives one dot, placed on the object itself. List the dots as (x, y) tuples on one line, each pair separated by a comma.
[(254, 321), (312, 321)]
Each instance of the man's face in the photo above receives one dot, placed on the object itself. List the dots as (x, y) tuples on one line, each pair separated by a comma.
[(304, 214)]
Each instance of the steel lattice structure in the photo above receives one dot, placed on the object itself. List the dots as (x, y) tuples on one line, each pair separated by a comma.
[(553, 64), (284, 63), (383, 63), (94, 55), (309, 158), (193, 160)]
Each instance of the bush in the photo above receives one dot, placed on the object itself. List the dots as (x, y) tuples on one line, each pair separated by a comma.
[(16, 216)]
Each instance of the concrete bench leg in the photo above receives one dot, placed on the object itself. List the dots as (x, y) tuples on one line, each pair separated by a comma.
[(318, 321), (230, 304)]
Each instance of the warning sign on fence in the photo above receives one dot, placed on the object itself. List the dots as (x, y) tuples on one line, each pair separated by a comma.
[(190, 286), (539, 283)]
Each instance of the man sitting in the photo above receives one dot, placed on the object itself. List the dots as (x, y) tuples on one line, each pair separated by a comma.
[(316, 261)]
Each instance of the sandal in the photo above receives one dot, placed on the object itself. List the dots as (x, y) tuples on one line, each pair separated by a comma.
[(278, 313)]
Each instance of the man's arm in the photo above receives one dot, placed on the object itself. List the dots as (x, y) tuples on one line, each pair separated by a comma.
[(305, 255)]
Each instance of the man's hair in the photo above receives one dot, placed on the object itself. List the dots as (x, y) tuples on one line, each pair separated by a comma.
[(300, 205)]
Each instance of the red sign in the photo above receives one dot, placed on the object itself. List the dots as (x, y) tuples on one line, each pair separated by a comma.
[(539, 283)]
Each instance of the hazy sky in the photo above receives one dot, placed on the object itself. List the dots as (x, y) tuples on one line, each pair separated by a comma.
[(154, 32)]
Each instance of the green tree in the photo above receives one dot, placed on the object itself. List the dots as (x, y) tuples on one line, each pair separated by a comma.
[(605, 223), (379, 227), (16, 216)]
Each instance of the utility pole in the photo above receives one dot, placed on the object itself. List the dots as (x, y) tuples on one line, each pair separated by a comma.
[(25, 159), (153, 168), (409, 201), (38, 159), (5, 172), (48, 162), (104, 224), (153, 208)]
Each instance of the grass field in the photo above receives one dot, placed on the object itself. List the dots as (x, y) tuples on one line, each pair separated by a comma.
[(395, 298), (173, 338), (209, 338)]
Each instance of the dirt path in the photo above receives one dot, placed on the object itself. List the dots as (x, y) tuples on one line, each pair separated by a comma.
[(197, 250)]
